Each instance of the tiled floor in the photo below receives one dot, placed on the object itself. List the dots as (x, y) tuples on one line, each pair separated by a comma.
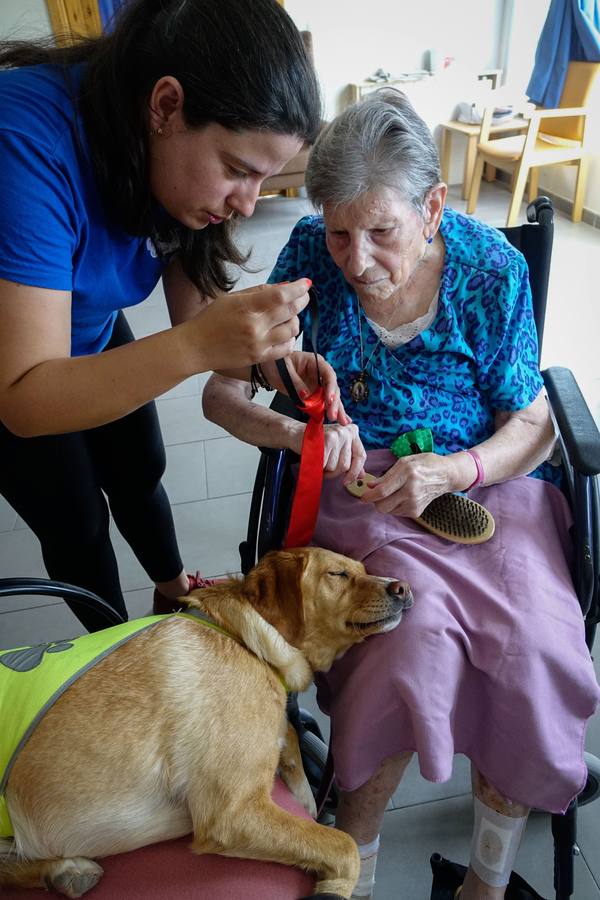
[(209, 477)]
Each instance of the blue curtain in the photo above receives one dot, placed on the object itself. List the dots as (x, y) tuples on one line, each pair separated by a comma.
[(571, 32)]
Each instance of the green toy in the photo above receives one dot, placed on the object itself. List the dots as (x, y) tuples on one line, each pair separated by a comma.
[(418, 441)]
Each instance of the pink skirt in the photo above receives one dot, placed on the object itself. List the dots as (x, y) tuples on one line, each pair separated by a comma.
[(490, 662)]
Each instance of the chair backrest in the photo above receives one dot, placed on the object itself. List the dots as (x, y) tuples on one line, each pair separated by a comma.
[(534, 240), (576, 91)]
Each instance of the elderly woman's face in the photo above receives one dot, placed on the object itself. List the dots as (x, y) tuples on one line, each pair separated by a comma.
[(377, 241)]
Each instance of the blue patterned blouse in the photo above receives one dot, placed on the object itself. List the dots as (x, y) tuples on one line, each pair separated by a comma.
[(480, 353)]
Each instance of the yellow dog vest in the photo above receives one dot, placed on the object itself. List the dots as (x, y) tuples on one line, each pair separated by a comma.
[(33, 678)]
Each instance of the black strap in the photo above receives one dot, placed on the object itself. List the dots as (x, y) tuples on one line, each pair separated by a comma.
[(313, 306)]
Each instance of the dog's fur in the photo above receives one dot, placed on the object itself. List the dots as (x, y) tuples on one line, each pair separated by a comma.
[(182, 730)]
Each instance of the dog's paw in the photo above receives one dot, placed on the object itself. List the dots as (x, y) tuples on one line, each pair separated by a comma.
[(74, 877)]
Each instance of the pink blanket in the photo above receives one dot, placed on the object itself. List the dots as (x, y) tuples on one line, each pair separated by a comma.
[(491, 661)]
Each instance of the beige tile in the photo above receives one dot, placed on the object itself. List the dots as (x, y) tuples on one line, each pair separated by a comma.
[(209, 533), (8, 516), (230, 466), (38, 625), (145, 320), (20, 555), (185, 475), (181, 421), (191, 387)]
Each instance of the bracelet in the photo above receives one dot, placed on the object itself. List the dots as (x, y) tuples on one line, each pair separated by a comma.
[(258, 380), (479, 478)]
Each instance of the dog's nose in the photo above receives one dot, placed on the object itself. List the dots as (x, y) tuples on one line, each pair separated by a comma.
[(401, 592)]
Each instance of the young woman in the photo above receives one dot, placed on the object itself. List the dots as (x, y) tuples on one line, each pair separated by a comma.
[(125, 159)]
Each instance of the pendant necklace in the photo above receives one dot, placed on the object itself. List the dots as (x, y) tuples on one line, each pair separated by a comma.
[(359, 387)]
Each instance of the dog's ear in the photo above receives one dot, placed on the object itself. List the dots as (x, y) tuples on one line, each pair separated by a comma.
[(274, 588)]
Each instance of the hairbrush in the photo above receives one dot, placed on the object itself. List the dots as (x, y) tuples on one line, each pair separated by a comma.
[(452, 516)]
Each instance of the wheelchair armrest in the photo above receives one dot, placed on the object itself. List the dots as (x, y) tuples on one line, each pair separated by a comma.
[(580, 446), (578, 430)]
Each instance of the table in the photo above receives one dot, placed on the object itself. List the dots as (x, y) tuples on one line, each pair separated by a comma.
[(471, 132)]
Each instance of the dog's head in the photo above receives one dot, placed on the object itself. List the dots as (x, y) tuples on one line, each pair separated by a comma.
[(322, 602)]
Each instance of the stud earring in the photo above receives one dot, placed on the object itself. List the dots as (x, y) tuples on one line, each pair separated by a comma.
[(162, 131), (429, 239)]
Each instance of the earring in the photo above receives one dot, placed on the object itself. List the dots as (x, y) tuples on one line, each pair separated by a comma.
[(162, 131), (429, 240)]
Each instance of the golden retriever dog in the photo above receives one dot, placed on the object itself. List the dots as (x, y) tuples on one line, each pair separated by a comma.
[(182, 729)]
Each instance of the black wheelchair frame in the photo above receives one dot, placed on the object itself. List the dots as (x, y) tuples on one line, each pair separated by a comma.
[(579, 442), (271, 501)]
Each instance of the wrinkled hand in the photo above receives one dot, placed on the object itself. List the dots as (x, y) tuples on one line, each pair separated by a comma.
[(410, 485), (302, 367), (344, 452), (254, 325)]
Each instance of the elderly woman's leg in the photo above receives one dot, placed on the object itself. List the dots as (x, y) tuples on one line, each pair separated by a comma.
[(498, 828), (360, 814)]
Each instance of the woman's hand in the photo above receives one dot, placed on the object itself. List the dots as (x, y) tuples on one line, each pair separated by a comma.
[(302, 367), (255, 325), (411, 484), (344, 452)]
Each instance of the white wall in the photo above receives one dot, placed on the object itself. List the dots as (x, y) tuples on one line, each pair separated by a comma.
[(23, 19), (352, 38)]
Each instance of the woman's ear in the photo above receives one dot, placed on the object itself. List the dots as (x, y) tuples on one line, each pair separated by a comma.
[(434, 207), (166, 104)]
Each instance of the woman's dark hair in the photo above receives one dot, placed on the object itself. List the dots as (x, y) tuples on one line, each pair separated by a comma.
[(242, 65)]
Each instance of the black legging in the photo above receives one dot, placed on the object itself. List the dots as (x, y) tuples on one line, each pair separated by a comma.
[(56, 484)]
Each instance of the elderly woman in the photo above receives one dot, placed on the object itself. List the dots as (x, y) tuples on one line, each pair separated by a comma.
[(426, 316)]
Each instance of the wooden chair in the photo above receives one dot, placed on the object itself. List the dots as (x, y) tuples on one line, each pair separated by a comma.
[(554, 137), (473, 135)]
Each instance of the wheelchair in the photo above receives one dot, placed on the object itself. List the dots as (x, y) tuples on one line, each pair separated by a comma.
[(579, 443)]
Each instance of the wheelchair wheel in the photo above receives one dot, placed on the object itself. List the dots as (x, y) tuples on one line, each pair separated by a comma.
[(314, 758), (591, 790), (308, 721)]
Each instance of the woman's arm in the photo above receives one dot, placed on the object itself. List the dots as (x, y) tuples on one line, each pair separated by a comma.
[(43, 390), (228, 403), (184, 301), (522, 440)]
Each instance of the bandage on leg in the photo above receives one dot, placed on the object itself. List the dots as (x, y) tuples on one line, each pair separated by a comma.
[(366, 880), (496, 839)]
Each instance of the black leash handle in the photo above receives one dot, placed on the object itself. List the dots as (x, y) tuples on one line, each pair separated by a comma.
[(313, 306)]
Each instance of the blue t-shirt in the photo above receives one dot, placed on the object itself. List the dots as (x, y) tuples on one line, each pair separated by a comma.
[(480, 354), (54, 231)]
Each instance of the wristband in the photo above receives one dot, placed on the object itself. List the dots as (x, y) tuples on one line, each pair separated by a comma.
[(479, 478)]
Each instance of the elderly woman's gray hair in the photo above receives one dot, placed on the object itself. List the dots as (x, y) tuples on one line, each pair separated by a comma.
[(378, 142)]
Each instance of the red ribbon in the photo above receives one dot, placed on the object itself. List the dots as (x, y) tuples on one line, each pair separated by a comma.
[(307, 497)]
